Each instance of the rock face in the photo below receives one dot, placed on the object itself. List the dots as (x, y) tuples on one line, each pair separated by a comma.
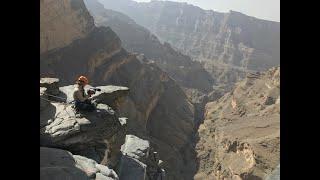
[(62, 22), (240, 137), (62, 165), (139, 161), (98, 135), (232, 38), (82, 56), (156, 108), (137, 39), (225, 75)]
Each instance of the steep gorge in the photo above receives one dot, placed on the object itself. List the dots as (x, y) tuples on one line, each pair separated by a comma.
[(199, 88), (239, 137), (135, 38), (197, 83)]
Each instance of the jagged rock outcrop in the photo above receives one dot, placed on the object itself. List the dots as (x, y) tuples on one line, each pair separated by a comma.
[(240, 136), (205, 35), (62, 165), (156, 108), (97, 135), (137, 39), (114, 96), (139, 161), (52, 85), (62, 22)]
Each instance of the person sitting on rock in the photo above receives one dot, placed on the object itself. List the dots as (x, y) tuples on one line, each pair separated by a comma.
[(82, 100)]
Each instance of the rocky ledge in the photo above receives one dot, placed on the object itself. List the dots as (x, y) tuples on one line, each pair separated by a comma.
[(97, 135)]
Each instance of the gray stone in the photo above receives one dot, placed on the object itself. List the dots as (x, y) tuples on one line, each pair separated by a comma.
[(139, 161), (100, 176), (103, 169), (52, 85), (135, 147), (113, 96), (60, 164), (131, 169), (88, 165)]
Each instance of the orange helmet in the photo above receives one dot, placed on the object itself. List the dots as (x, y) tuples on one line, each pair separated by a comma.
[(83, 79)]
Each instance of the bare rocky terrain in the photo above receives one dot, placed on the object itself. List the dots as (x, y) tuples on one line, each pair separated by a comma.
[(168, 108), (240, 136)]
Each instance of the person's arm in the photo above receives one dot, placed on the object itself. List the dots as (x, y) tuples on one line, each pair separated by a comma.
[(78, 95)]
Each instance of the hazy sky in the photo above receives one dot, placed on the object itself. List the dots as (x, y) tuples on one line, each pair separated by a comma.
[(263, 9)]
